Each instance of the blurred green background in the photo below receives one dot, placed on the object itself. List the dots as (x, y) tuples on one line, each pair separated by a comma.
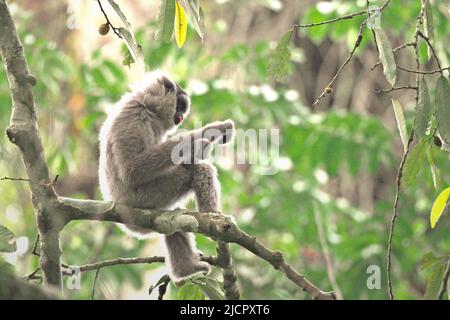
[(336, 165)]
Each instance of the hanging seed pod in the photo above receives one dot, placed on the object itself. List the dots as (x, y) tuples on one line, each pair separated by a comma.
[(103, 29)]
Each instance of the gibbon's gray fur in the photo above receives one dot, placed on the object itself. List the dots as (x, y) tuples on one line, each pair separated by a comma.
[(136, 166)]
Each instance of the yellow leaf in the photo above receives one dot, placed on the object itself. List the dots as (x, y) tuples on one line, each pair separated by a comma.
[(180, 25), (438, 206)]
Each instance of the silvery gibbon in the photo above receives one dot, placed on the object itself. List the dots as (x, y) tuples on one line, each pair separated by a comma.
[(137, 166)]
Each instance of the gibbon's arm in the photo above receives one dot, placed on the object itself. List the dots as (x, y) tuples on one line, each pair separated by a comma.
[(219, 131), (137, 166), (137, 169)]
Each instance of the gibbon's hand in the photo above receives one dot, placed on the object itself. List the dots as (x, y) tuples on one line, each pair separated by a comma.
[(221, 131)]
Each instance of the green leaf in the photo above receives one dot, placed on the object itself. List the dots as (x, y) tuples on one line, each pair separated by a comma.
[(164, 279), (428, 24), (130, 40), (423, 110), (180, 25), (128, 59), (190, 291), (386, 56), (7, 240), (435, 173), (195, 13), (413, 163), (209, 287), (443, 108), (438, 206), (401, 123), (434, 282), (430, 260), (211, 293), (134, 49), (165, 20), (280, 58)]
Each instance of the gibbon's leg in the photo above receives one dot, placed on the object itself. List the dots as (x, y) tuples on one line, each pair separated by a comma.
[(206, 187), (184, 256), (164, 192)]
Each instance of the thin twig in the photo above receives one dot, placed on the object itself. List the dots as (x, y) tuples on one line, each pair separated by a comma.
[(44, 184), (329, 88), (315, 24), (427, 40), (409, 87), (32, 275), (36, 243), (327, 255), (423, 72), (409, 44), (444, 283), (95, 283), (108, 21)]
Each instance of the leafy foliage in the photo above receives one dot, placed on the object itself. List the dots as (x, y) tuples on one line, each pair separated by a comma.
[(442, 109), (401, 123), (386, 56), (423, 110), (279, 61), (439, 206), (180, 24), (413, 163), (7, 240), (166, 19)]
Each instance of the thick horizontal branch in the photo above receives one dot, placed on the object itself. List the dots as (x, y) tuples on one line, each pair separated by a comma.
[(214, 225)]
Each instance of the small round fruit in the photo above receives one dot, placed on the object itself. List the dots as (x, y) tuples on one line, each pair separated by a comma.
[(103, 29)]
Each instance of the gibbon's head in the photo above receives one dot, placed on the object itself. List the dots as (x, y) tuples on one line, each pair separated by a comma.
[(163, 98)]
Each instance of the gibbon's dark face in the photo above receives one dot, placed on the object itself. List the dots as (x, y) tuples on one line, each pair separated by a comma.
[(182, 106), (182, 100)]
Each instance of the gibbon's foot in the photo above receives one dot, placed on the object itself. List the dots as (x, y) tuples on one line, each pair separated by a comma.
[(220, 131), (228, 132), (190, 268)]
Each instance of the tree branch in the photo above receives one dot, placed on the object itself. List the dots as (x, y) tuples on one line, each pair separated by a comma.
[(23, 132), (214, 225), (137, 260), (409, 87), (402, 163), (115, 30), (409, 44), (423, 72), (329, 88), (224, 260)]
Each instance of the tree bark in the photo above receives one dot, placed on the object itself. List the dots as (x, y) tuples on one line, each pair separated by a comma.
[(23, 132)]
